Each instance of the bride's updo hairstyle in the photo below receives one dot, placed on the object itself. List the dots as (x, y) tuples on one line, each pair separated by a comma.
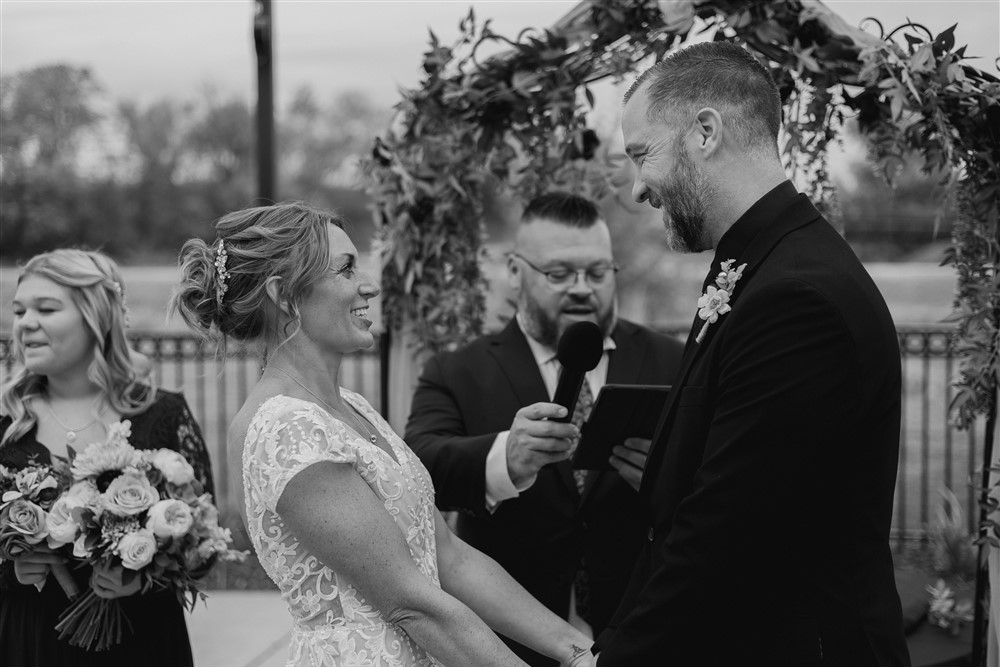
[(222, 293)]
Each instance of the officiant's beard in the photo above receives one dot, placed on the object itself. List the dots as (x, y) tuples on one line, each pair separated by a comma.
[(547, 329), (684, 203)]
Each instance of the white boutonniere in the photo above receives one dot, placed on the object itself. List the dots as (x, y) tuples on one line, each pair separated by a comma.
[(715, 300)]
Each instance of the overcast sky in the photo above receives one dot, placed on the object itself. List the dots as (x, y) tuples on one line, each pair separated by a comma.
[(145, 50)]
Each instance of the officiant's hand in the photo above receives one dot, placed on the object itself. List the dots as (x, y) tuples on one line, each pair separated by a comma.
[(536, 441), (113, 581), (630, 460)]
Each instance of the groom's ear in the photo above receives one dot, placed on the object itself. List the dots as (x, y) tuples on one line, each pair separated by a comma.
[(708, 131)]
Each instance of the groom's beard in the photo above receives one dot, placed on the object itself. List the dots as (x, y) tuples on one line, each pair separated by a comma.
[(683, 202)]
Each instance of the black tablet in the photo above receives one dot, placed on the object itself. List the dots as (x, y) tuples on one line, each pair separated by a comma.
[(621, 411)]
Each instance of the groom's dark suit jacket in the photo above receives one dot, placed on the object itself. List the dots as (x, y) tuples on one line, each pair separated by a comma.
[(771, 476), (465, 398)]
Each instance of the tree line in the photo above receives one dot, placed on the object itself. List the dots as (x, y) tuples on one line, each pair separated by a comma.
[(136, 180)]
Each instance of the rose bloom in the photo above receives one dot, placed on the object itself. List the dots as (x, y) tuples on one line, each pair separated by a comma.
[(129, 494), (173, 466), (62, 528), (170, 518), (136, 549), (22, 525), (26, 518), (13, 544)]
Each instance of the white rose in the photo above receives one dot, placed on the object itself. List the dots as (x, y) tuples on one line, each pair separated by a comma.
[(173, 466), (129, 494), (136, 549), (62, 528), (170, 518)]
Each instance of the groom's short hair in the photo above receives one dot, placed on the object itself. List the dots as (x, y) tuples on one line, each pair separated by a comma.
[(723, 76)]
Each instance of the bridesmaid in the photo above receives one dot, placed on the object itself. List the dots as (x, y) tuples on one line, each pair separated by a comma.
[(75, 376)]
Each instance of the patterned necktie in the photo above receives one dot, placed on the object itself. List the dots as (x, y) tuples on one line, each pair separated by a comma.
[(584, 403), (581, 582)]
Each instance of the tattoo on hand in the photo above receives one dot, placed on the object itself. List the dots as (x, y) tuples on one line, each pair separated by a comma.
[(577, 651)]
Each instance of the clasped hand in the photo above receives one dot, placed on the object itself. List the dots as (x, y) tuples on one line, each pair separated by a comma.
[(535, 440), (108, 581), (114, 581), (31, 569)]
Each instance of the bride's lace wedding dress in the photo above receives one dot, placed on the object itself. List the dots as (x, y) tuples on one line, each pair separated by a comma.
[(332, 623)]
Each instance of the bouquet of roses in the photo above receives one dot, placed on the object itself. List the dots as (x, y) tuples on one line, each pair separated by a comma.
[(141, 510), (26, 498)]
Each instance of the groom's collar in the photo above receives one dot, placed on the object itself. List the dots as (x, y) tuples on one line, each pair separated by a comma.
[(734, 242)]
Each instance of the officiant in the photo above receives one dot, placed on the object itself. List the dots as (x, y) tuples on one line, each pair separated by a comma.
[(482, 422)]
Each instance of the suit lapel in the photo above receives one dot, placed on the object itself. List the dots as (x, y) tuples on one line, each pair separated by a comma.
[(624, 362), (514, 357), (800, 213)]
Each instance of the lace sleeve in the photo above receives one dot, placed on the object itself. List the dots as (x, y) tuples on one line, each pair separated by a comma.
[(191, 444), (286, 444)]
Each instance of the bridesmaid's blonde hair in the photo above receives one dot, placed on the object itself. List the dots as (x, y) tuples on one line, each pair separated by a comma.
[(97, 290)]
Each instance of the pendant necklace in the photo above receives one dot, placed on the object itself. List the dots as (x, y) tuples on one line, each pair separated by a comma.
[(371, 436), (71, 432)]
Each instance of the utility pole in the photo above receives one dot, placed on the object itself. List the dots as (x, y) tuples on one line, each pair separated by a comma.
[(264, 46)]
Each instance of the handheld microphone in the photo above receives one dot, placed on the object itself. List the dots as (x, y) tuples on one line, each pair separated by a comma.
[(579, 350)]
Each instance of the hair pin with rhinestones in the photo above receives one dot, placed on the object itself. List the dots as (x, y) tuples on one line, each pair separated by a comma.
[(221, 257)]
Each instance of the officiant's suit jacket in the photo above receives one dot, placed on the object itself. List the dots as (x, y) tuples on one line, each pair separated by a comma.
[(771, 476), (465, 398)]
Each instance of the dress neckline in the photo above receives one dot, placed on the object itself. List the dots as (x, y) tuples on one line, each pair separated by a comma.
[(396, 456)]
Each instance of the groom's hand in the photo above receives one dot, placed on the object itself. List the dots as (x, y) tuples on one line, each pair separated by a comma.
[(536, 441), (629, 459)]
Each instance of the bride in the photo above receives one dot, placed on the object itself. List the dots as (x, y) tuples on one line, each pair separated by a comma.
[(340, 511)]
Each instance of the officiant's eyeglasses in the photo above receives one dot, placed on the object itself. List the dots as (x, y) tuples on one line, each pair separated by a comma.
[(565, 277)]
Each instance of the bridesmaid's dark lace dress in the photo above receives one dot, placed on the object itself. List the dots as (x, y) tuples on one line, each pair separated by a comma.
[(159, 634)]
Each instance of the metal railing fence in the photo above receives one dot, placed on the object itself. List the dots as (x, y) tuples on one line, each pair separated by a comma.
[(933, 454)]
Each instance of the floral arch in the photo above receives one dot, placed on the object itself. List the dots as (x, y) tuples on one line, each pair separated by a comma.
[(519, 120)]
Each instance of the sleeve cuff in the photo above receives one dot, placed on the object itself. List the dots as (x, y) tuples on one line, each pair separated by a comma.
[(499, 486)]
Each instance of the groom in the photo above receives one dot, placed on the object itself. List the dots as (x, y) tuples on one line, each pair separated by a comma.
[(770, 478)]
